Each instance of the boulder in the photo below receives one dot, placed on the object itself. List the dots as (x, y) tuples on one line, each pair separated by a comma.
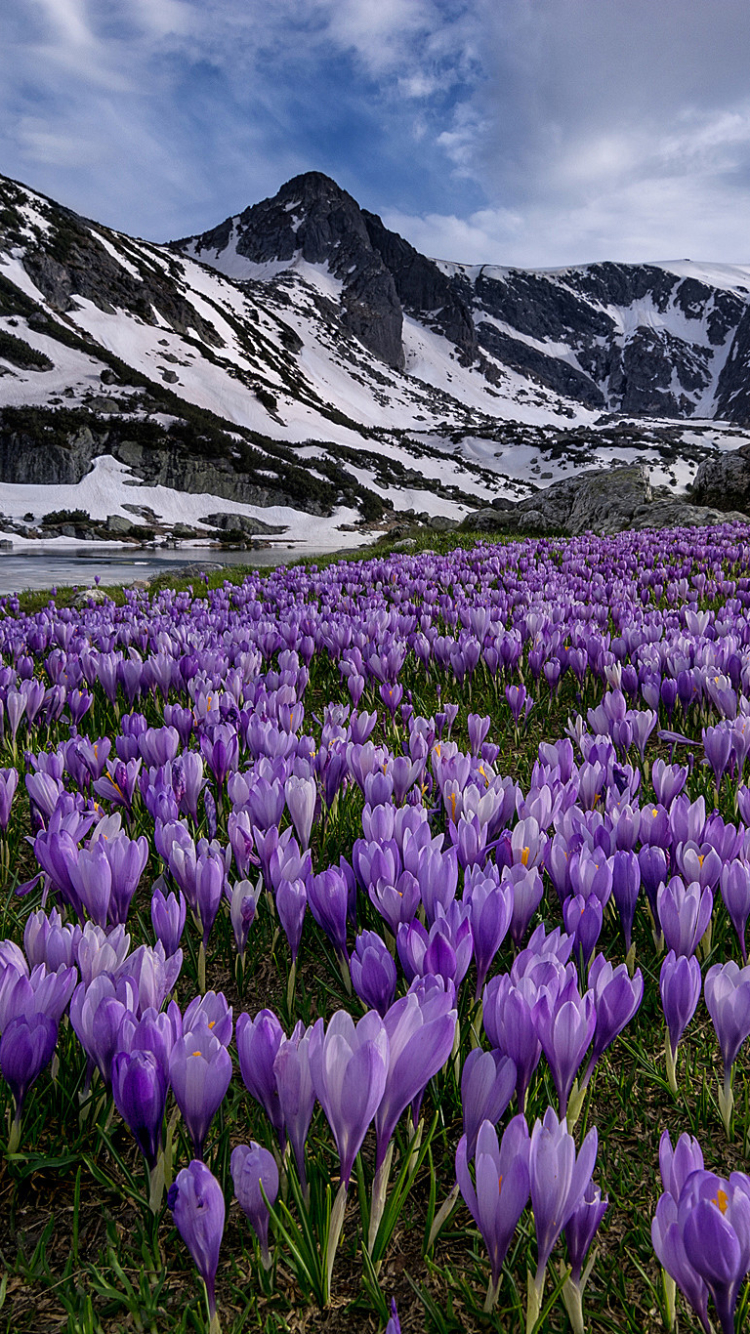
[(603, 500), (117, 524), (724, 481), (241, 523), (440, 523), (681, 514)]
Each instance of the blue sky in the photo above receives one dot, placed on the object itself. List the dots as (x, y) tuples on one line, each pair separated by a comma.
[(532, 132)]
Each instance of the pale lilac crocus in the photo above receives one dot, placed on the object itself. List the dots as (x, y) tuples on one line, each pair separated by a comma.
[(256, 1185), (558, 1178), (727, 995), (501, 1192)]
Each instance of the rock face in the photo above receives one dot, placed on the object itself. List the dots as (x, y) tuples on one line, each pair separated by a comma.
[(604, 501), (313, 217), (724, 481)]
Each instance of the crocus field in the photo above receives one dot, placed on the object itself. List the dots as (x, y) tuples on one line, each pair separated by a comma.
[(375, 946)]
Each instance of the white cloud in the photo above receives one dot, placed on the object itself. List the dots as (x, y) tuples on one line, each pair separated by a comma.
[(536, 132)]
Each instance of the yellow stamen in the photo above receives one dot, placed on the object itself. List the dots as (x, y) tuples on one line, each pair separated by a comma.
[(525, 856), (721, 1201)]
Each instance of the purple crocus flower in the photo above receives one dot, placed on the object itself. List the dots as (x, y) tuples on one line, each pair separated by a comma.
[(420, 1033), (96, 1015), (8, 785), (328, 897), (491, 912), (168, 915), (291, 905), (502, 1188), (581, 1228), (373, 971), (565, 1026), (256, 1185), (396, 902), (200, 1069), (349, 1067), (208, 888), (243, 905), (197, 1203), (684, 914), (394, 1324), (291, 1069), (26, 1047), (626, 882), (487, 1083), (713, 1216), (212, 1012), (301, 795), (617, 996), (583, 921), (527, 895), (47, 940), (153, 974), (680, 989), (727, 995), (735, 891), (139, 1085), (666, 1238), (558, 1179), (508, 1019), (258, 1041)]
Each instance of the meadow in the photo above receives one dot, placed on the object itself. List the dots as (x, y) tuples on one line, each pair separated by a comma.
[(374, 932)]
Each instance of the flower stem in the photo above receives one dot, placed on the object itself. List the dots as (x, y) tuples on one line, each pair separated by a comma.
[(334, 1236)]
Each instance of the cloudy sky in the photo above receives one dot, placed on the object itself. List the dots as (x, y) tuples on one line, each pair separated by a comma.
[(531, 132)]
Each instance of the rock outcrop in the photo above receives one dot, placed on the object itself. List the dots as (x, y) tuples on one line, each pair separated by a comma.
[(604, 501), (724, 481)]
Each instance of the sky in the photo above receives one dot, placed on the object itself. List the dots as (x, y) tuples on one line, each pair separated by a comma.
[(527, 132)]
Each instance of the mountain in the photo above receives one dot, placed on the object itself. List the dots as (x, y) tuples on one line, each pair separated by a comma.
[(302, 368)]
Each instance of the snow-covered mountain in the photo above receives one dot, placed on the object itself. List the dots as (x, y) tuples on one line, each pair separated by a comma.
[(304, 368)]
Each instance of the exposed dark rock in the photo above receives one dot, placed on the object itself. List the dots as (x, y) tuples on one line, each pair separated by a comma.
[(242, 523), (313, 217), (724, 481)]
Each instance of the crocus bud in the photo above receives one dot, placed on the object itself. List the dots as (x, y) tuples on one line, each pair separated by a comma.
[(252, 1168), (198, 1209)]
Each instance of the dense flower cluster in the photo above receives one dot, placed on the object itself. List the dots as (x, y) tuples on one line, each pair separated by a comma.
[(170, 759)]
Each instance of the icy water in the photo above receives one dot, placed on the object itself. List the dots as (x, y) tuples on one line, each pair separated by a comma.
[(80, 566)]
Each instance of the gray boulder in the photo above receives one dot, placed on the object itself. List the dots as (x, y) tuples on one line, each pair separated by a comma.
[(242, 523), (680, 514), (117, 524), (602, 499), (724, 481)]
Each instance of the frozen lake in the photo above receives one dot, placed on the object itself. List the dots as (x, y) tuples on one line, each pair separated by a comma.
[(81, 565)]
